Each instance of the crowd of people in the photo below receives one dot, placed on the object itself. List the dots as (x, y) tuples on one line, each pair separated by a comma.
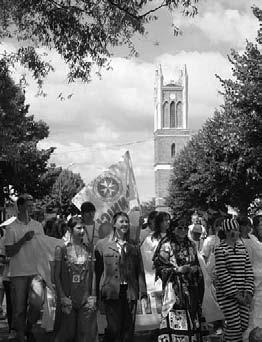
[(206, 273)]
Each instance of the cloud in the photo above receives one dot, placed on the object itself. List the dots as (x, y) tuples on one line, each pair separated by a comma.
[(105, 118), (123, 95), (229, 25), (121, 104)]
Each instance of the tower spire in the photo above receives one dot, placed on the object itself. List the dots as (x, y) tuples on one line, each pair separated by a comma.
[(185, 97), (170, 127), (158, 97)]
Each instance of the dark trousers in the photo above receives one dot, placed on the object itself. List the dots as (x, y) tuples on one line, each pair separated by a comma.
[(8, 297), (28, 297), (80, 325), (120, 316)]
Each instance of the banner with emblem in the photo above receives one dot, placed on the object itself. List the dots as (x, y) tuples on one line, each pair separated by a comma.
[(111, 191)]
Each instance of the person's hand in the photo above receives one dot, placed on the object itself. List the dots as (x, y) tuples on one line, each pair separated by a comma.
[(144, 303), (91, 302), (194, 268), (240, 298), (66, 305), (247, 298), (184, 269), (29, 235)]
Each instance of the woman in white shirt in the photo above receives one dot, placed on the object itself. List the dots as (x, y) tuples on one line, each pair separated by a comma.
[(254, 248), (210, 306), (148, 248)]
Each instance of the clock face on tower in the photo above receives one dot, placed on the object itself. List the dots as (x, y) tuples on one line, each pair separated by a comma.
[(172, 96)]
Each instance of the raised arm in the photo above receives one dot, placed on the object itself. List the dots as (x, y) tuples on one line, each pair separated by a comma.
[(99, 267), (11, 247), (141, 276)]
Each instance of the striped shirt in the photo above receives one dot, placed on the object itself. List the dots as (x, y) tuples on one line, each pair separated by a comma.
[(233, 270)]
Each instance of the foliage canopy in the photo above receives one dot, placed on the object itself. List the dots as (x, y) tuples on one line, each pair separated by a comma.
[(22, 163), (222, 163), (83, 32)]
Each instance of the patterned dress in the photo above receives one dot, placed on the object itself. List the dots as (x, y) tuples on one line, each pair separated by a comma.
[(181, 320)]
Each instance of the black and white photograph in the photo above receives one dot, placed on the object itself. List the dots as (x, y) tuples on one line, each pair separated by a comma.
[(131, 170)]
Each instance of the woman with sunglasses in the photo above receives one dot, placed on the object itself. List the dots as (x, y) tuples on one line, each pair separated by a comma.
[(234, 281), (177, 264)]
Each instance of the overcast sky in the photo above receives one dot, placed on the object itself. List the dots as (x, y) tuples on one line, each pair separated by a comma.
[(106, 117)]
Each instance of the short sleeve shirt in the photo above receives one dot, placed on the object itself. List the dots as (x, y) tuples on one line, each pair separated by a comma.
[(23, 263)]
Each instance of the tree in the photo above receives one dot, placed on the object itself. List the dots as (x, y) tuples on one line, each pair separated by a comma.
[(147, 207), (65, 187), (83, 32), (48, 179), (222, 164), (22, 162)]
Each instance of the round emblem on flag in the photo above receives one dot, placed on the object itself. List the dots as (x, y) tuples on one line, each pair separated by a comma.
[(107, 187)]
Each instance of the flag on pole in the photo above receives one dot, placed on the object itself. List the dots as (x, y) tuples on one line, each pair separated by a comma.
[(111, 191)]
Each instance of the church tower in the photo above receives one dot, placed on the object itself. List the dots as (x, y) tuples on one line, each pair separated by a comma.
[(171, 131)]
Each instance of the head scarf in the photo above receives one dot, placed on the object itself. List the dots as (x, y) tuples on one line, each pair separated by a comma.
[(230, 224)]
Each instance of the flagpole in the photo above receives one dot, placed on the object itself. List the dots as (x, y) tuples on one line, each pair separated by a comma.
[(134, 180), (139, 228)]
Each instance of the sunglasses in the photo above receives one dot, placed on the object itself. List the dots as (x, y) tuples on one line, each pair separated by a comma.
[(183, 228)]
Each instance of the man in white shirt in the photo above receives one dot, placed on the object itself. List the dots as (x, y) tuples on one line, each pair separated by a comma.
[(23, 267)]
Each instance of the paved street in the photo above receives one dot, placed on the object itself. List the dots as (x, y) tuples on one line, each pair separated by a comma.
[(41, 336)]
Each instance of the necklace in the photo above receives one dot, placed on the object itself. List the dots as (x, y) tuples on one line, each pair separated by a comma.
[(77, 262), (78, 251)]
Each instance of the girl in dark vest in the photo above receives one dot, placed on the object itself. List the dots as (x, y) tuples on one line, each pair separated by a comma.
[(75, 294)]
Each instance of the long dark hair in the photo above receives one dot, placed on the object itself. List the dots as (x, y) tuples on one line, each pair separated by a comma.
[(214, 223), (256, 221), (151, 216), (158, 221)]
